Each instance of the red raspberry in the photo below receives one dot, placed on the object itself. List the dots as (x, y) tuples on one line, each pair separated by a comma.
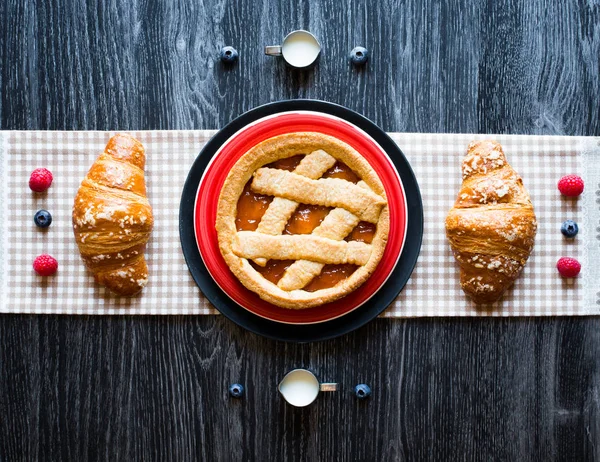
[(570, 185), (568, 267), (40, 179), (45, 265)]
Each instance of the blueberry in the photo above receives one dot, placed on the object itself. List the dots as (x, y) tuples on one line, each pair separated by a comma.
[(362, 391), (569, 228), (42, 218), (228, 55), (236, 390), (359, 56)]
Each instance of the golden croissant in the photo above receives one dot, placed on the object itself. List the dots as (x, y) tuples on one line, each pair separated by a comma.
[(492, 226), (112, 217)]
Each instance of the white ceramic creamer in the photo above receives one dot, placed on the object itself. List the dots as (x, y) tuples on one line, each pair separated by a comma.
[(300, 49), (300, 387)]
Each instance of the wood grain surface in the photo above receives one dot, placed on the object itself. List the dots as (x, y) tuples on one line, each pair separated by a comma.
[(143, 388)]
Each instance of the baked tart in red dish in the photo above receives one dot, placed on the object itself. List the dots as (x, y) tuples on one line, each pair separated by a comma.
[(302, 220)]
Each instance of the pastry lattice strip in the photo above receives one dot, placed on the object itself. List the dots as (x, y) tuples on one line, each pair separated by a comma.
[(330, 192), (336, 225), (314, 165), (251, 245)]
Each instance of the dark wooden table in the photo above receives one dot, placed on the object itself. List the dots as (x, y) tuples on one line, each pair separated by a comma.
[(155, 388)]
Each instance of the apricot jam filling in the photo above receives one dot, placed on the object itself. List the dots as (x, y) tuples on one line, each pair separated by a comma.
[(330, 276), (289, 163), (305, 219), (363, 232), (273, 270), (341, 171), (250, 209), (252, 206)]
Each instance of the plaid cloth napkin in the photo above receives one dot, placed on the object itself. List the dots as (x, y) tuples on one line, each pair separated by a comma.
[(433, 289)]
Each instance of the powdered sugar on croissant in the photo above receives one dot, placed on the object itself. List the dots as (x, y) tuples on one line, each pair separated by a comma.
[(112, 218), (492, 226)]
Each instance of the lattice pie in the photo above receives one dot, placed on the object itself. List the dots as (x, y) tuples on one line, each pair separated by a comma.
[(302, 220)]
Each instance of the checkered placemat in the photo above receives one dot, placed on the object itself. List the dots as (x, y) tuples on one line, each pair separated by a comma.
[(433, 289)]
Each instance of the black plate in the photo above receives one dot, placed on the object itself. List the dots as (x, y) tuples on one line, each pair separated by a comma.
[(312, 332)]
